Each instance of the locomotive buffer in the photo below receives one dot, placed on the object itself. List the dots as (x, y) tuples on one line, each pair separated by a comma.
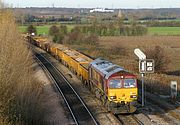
[(145, 66)]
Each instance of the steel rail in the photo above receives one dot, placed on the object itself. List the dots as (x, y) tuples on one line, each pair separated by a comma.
[(137, 120), (56, 85), (124, 120), (63, 95)]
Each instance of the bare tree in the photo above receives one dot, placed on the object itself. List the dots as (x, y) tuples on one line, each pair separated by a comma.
[(160, 57), (21, 96)]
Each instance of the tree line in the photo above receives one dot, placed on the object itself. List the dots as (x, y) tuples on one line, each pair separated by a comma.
[(162, 24), (113, 30)]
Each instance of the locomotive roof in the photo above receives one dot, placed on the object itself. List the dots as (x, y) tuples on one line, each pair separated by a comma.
[(106, 68)]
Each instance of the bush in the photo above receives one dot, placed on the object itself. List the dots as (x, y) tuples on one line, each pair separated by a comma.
[(160, 58), (63, 29), (58, 38), (54, 30), (31, 29), (58, 33)]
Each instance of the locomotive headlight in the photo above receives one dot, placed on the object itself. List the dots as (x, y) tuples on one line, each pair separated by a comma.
[(112, 97), (133, 96)]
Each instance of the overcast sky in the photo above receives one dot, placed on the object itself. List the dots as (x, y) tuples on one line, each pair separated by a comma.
[(96, 3)]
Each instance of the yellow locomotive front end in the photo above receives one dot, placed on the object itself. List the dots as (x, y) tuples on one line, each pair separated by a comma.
[(114, 86), (122, 94)]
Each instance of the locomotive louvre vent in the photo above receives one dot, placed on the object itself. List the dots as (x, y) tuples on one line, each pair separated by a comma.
[(102, 62), (106, 65), (112, 68)]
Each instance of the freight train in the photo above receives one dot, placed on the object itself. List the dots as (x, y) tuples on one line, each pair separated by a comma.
[(112, 84)]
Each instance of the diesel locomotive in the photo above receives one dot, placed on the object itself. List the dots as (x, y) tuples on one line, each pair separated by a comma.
[(112, 84)]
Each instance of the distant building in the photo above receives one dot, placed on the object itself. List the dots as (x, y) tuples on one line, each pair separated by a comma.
[(101, 10)]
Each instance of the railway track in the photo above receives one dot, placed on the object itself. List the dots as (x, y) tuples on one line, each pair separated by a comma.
[(79, 116), (137, 120), (129, 120), (172, 110), (78, 109)]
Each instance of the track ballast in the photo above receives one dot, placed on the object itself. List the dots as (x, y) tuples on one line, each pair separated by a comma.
[(77, 107)]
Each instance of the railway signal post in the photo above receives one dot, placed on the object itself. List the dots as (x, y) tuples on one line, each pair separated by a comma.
[(145, 66)]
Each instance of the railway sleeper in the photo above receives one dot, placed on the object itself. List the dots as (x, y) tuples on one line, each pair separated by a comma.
[(120, 108)]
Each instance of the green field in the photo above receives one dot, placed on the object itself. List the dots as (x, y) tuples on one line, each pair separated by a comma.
[(151, 30), (164, 30), (42, 29)]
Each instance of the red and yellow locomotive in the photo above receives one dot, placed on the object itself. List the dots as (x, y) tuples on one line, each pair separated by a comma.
[(113, 85), (116, 87)]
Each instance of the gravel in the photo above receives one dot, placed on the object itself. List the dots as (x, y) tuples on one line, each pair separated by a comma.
[(57, 113)]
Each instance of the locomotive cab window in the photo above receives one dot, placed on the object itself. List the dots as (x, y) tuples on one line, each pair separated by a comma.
[(115, 83), (129, 83)]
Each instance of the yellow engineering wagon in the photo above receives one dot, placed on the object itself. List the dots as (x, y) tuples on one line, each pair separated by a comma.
[(112, 84)]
